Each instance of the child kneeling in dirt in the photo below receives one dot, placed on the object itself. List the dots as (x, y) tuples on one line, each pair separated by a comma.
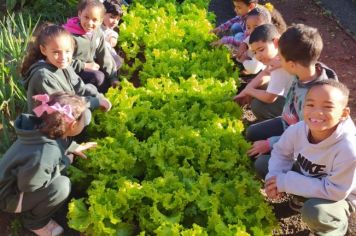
[(30, 180), (316, 159)]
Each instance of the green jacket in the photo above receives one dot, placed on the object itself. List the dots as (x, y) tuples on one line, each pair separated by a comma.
[(94, 50), (31, 163), (43, 77)]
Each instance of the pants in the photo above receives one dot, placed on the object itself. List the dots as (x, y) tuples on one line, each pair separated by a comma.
[(38, 207), (264, 111), (265, 129), (236, 28), (97, 78), (325, 217)]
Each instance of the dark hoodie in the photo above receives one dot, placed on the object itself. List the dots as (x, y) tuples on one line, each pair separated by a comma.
[(31, 163), (43, 77)]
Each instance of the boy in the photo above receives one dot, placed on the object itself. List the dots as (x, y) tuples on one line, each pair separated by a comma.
[(236, 25), (266, 104), (299, 49), (321, 150)]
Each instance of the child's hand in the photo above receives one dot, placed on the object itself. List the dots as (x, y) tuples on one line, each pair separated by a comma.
[(112, 41), (105, 104), (79, 150), (91, 66), (243, 98), (216, 43), (215, 31), (271, 188), (290, 119), (259, 147)]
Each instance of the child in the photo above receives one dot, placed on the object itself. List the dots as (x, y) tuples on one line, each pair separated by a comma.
[(46, 68), (111, 20), (266, 104), (236, 25), (299, 49), (30, 180), (92, 59), (321, 150)]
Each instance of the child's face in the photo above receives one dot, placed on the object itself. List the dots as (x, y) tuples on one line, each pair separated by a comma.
[(242, 9), (90, 18), (252, 22), (265, 51), (324, 108), (58, 51), (111, 21), (77, 126)]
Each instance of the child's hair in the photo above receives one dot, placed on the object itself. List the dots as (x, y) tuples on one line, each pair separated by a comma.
[(54, 125), (301, 44), (264, 33), (261, 12), (91, 3), (335, 84), (113, 7), (277, 19), (247, 2), (41, 36)]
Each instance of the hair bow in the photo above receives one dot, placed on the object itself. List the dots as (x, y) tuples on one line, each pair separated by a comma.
[(66, 110)]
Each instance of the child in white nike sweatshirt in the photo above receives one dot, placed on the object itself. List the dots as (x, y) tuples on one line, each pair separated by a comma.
[(316, 159)]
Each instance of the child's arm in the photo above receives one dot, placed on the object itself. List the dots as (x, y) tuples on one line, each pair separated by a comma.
[(261, 79), (261, 95), (226, 26), (282, 153), (335, 186)]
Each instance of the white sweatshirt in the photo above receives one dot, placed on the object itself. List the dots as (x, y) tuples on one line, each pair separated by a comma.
[(328, 169)]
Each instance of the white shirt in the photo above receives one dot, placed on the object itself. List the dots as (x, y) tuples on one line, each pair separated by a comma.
[(280, 82)]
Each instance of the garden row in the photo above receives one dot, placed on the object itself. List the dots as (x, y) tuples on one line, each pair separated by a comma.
[(171, 159)]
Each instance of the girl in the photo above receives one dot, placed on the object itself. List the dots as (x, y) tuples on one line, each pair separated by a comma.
[(46, 68), (111, 20), (92, 59), (30, 179)]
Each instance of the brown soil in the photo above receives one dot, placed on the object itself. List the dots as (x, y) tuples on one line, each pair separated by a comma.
[(339, 53)]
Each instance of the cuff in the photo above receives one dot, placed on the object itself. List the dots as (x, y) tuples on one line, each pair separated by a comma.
[(281, 183)]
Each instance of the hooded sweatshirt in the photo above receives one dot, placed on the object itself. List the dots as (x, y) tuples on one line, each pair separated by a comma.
[(90, 48), (31, 163), (327, 169), (43, 77)]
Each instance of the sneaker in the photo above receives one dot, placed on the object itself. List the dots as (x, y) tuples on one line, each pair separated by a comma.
[(296, 203), (51, 229)]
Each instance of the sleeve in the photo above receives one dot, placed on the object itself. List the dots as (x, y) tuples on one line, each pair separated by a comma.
[(230, 40), (78, 65), (282, 153), (280, 82), (105, 59), (89, 91), (253, 66), (226, 26), (33, 177), (335, 186)]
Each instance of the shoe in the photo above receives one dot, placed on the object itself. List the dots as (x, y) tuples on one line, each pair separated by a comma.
[(50, 229), (296, 203)]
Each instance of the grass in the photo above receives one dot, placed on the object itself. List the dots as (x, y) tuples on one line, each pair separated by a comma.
[(15, 34)]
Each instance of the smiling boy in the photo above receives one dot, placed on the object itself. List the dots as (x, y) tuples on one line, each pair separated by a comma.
[(316, 159)]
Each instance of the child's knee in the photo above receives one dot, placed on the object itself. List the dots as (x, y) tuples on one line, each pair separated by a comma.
[(61, 187), (99, 77)]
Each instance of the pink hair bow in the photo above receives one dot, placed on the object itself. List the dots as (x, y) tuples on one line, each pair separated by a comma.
[(66, 110)]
